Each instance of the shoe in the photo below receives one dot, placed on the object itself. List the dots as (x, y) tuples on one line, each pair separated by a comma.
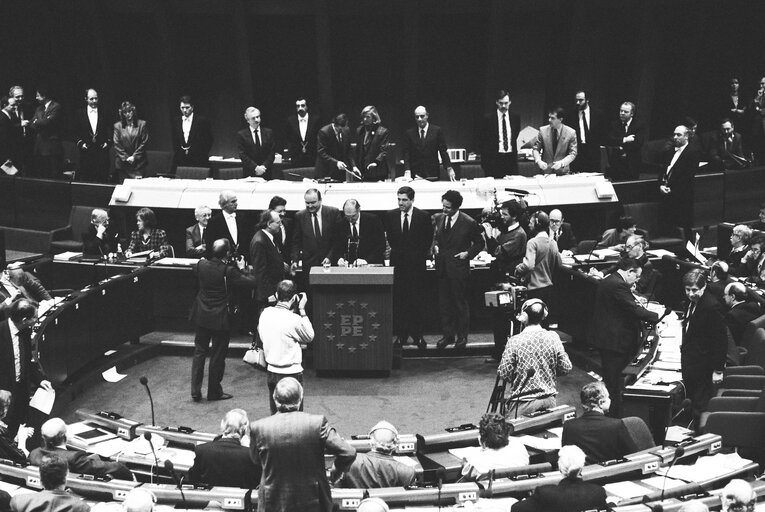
[(196, 398), (461, 343), (223, 396), (420, 342), (443, 342)]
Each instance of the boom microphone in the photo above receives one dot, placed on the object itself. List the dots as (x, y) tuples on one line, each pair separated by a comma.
[(145, 383), (147, 436), (170, 468), (518, 191)]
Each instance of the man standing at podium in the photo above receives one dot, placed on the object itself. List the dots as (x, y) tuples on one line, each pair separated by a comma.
[(312, 232), (358, 238)]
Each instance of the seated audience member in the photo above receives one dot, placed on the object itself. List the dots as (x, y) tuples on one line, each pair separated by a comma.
[(572, 494), (148, 237), (617, 236), (725, 147), (16, 283), (562, 233), (739, 246), (498, 449), (740, 311), (130, 137), (534, 351), (648, 285), (760, 224), (5, 502), (693, 506), (139, 500), (718, 280), (600, 437), (54, 497), (225, 461), (12, 448), (372, 505), (53, 434), (754, 260), (378, 468), (195, 241), (738, 496), (100, 239)]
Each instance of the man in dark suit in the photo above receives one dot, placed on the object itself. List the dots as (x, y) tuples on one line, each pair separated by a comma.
[(601, 438), (300, 135), (741, 310), (312, 236), (18, 373), (47, 126), (283, 239), (456, 240), (268, 267), (224, 461), (21, 133), (94, 133), (410, 235), (626, 138), (227, 224), (54, 497), (498, 139), (676, 184), (372, 143), (725, 147), (17, 281), (616, 326), (562, 233), (101, 238), (211, 315), (334, 157), (256, 146), (11, 131), (590, 127), (53, 434), (358, 238), (290, 447), (195, 235), (422, 145), (555, 147), (192, 137)]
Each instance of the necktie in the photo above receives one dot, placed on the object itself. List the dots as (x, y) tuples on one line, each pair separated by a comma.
[(257, 139), (316, 228), (727, 144), (586, 127), (504, 133), (17, 356), (366, 138), (405, 227), (448, 224), (554, 141), (422, 135), (691, 309), (339, 134), (354, 231), (625, 127)]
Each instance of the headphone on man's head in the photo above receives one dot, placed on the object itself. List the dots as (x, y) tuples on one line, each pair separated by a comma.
[(523, 316)]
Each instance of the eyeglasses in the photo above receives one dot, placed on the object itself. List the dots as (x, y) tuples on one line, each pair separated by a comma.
[(555, 221)]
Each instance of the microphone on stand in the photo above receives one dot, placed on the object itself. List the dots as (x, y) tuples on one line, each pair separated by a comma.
[(679, 452), (529, 373), (147, 436), (145, 383), (178, 481), (518, 192)]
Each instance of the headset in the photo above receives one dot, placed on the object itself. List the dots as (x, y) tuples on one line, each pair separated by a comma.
[(523, 316)]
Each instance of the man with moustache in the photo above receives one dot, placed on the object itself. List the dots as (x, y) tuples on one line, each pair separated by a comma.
[(422, 145), (192, 136), (499, 134), (256, 146), (590, 127), (93, 132), (300, 135)]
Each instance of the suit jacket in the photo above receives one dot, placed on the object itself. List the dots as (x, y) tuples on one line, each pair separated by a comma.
[(131, 141), (732, 156), (49, 501), (290, 448), (253, 156), (267, 265), (47, 125), (199, 143), (601, 438), (83, 132), (677, 206), (371, 239), (375, 470), (490, 139), (421, 157), (31, 374), (598, 128), (92, 245), (705, 340), (9, 138), (83, 463), (565, 150), (616, 317), (308, 247), (566, 238), (375, 151), (408, 254), (464, 235), (627, 155), (738, 316), (210, 307), (302, 152), (285, 244), (224, 462), (217, 229), (30, 287), (194, 240), (329, 151), (570, 495)]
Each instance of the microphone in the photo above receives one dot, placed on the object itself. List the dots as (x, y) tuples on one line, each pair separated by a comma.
[(441, 474), (145, 383), (529, 373), (518, 192), (147, 436), (679, 452), (589, 255), (178, 481)]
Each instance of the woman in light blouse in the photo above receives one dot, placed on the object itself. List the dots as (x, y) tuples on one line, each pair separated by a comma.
[(130, 137)]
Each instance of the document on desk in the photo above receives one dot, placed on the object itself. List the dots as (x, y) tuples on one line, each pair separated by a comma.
[(706, 468), (540, 443), (626, 489), (43, 400), (408, 461), (109, 448), (177, 262)]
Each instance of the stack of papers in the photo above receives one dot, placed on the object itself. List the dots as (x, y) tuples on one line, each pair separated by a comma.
[(67, 256)]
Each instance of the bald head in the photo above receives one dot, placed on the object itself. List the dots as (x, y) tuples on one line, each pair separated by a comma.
[(373, 505), (694, 506), (384, 437), (53, 433), (220, 248), (421, 116), (556, 215), (288, 394), (138, 500), (737, 492)]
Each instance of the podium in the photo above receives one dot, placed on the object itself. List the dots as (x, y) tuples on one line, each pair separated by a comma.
[(352, 318)]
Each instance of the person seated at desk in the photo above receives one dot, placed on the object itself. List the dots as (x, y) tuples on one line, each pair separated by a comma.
[(195, 239), (15, 283), (12, 448), (498, 449), (648, 285), (562, 233), (54, 432), (760, 224), (359, 238), (753, 261), (225, 461), (572, 494), (739, 246), (740, 311), (738, 496), (718, 280), (54, 496), (378, 468), (600, 437), (100, 239), (617, 236), (148, 237), (373, 505)]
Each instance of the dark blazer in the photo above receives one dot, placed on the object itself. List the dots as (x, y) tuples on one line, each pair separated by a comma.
[(210, 307), (705, 340), (217, 229), (566, 239), (731, 157), (490, 139), (290, 448), (600, 437), (252, 156), (30, 287), (371, 239), (49, 501), (588, 155), (409, 253), (9, 449), (85, 463), (224, 462), (626, 159), (374, 152), (296, 145), (199, 144), (738, 316), (464, 235), (92, 245), (31, 374), (676, 208), (11, 140), (421, 157), (267, 265), (194, 240), (570, 495), (93, 147), (616, 317), (48, 125), (329, 151), (305, 245), (130, 142)]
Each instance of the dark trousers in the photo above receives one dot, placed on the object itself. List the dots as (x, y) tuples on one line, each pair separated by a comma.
[(699, 388), (408, 300), (613, 364), (48, 166), (94, 166), (587, 158), (217, 354), (453, 307), (273, 379)]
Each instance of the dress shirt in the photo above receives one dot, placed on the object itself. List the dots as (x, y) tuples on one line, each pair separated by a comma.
[(586, 117), (93, 118), (678, 152), (626, 127), (409, 218), (453, 218), (358, 226), (201, 232), (186, 126), (15, 341), (424, 132), (230, 219), (500, 141), (303, 125)]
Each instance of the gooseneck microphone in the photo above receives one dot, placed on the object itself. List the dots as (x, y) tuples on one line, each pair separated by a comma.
[(679, 452), (178, 481), (155, 468), (529, 373), (145, 383)]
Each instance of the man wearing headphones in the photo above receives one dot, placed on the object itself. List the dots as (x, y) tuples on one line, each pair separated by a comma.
[(378, 468), (532, 361)]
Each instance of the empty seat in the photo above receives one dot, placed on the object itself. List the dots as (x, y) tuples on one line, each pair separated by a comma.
[(192, 173)]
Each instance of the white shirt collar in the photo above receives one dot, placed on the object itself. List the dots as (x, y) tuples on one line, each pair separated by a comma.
[(681, 148), (454, 217), (189, 119), (269, 235), (227, 215)]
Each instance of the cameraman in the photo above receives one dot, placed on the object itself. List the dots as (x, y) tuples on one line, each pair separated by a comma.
[(283, 328)]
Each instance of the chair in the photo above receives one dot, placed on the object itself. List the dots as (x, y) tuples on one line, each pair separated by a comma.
[(639, 432), (646, 215), (299, 173), (739, 420), (69, 238), (230, 173), (754, 342), (192, 173), (160, 163)]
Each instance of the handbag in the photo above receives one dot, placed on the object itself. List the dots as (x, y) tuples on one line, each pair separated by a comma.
[(256, 357)]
